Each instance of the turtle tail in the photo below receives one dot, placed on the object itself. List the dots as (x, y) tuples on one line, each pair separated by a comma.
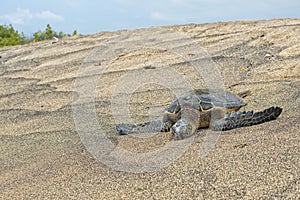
[(249, 118), (147, 127)]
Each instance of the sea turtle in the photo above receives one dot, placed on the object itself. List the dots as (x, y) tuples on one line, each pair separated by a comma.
[(200, 109)]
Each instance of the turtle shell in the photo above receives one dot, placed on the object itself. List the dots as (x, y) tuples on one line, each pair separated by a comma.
[(218, 99), (204, 101)]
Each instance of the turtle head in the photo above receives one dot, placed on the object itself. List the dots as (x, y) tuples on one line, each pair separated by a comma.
[(181, 130)]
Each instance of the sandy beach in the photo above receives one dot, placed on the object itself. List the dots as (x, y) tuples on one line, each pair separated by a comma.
[(43, 156)]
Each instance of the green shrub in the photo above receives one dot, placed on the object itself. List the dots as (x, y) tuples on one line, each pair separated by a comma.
[(74, 33), (9, 36), (49, 34)]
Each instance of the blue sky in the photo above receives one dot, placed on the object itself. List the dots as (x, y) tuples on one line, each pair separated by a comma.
[(92, 16)]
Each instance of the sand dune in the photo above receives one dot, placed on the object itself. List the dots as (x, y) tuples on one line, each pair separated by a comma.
[(44, 157)]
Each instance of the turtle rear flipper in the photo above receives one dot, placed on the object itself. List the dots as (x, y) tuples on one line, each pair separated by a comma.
[(241, 119), (148, 127)]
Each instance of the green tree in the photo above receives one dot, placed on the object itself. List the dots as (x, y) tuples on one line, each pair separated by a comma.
[(74, 33), (9, 36), (37, 36), (48, 34)]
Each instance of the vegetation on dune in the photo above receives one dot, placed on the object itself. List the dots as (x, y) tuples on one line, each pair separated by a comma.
[(9, 36)]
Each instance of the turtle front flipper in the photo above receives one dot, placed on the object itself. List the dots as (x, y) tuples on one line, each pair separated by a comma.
[(147, 127), (241, 119)]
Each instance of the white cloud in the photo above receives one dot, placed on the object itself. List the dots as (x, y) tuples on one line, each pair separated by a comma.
[(18, 17), (47, 15), (22, 15), (158, 16)]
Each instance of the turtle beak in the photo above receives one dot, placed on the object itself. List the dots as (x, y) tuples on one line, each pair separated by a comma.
[(181, 130)]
